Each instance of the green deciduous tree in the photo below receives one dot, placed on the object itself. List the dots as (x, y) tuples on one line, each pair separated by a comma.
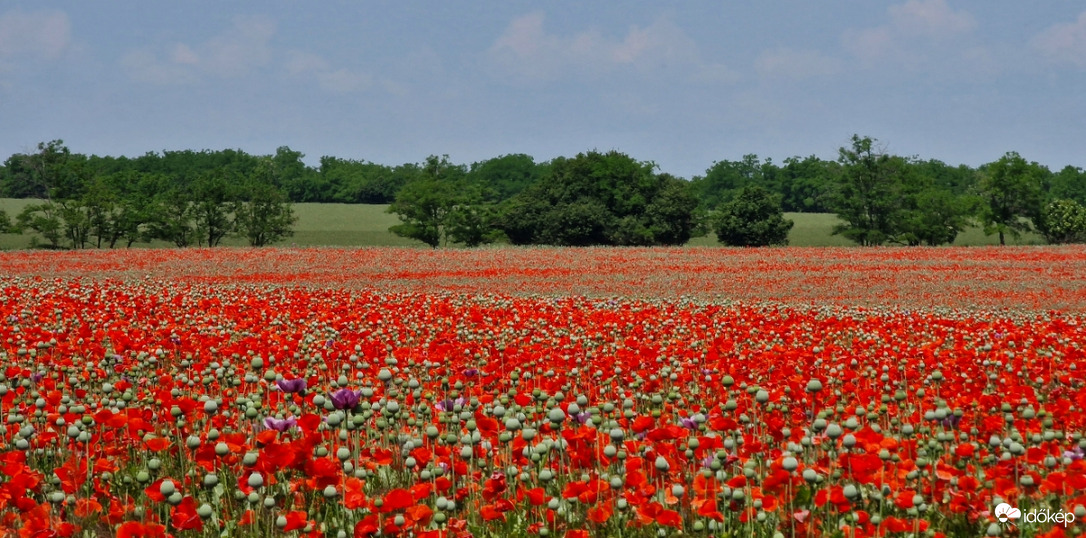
[(1063, 221), (753, 218), (1011, 190), (867, 192), (43, 219), (931, 216), (601, 199), (725, 179), (426, 205), (214, 201), (173, 218), (506, 175), (263, 213)]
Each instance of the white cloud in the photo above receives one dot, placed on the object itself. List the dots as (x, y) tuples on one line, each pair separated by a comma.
[(305, 65), (931, 18), (784, 62), (1064, 42), (34, 34), (526, 50), (242, 49), (183, 54), (917, 31), (299, 62), (144, 66)]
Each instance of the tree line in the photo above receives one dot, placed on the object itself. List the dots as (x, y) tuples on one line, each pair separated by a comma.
[(594, 198), (83, 202)]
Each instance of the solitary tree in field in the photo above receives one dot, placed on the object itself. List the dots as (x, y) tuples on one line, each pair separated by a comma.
[(752, 219)]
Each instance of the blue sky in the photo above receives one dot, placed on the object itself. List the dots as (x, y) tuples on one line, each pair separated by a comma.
[(682, 84)]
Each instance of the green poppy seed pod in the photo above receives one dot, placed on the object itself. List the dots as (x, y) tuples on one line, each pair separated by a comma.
[(281, 521), (330, 492), (222, 449), (790, 464), (56, 497), (850, 492), (662, 464), (677, 490), (269, 502), (384, 375), (834, 431), (410, 463), (1080, 511), (211, 480), (399, 520), (211, 406), (554, 503), (204, 511), (814, 385), (256, 480), (257, 363), (556, 415), (343, 453), (466, 452), (810, 476), (249, 459), (994, 529), (193, 442), (167, 488)]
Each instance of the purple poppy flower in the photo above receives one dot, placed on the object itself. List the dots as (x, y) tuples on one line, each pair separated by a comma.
[(345, 399), (582, 417), (291, 385), (688, 423), (449, 405), (470, 372), (1074, 455), (951, 421), (37, 377), (280, 424)]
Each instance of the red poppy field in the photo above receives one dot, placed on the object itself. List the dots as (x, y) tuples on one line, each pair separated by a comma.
[(543, 392)]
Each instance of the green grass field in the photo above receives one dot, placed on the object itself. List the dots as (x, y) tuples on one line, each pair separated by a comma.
[(367, 225)]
